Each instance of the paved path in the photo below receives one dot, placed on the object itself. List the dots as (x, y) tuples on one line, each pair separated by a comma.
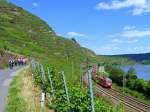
[(5, 80)]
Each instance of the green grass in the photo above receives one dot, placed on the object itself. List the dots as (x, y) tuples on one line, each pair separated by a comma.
[(4, 63), (23, 96), (16, 102), (139, 96)]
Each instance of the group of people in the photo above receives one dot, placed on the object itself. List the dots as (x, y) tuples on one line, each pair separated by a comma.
[(17, 62)]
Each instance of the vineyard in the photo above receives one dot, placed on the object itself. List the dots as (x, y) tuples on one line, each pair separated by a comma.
[(26, 34), (62, 96)]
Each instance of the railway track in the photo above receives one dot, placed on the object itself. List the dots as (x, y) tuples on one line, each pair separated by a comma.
[(133, 99), (127, 101)]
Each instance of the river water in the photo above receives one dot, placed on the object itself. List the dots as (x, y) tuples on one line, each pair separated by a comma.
[(143, 71)]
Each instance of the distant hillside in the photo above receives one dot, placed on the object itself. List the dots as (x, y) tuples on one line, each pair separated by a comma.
[(26, 34), (136, 57), (113, 59)]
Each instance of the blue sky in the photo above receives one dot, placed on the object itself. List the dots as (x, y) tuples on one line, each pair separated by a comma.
[(105, 26)]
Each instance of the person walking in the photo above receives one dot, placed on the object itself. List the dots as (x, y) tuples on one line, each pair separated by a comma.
[(10, 63), (19, 61), (15, 63)]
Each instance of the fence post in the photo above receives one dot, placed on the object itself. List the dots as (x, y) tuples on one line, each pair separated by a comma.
[(81, 76), (33, 65), (91, 90), (51, 83), (43, 72), (65, 86), (32, 78), (42, 102)]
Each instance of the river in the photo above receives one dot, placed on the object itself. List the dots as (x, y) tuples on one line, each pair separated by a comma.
[(143, 71)]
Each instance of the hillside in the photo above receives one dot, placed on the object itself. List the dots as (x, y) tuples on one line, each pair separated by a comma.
[(27, 34), (136, 57)]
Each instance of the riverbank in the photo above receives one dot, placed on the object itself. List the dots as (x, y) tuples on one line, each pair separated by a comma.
[(143, 71), (139, 96), (133, 85)]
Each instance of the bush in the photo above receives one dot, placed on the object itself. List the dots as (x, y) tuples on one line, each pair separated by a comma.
[(1, 51), (79, 98), (131, 74), (116, 74)]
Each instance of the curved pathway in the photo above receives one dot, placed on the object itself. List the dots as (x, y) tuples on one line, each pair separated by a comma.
[(6, 77)]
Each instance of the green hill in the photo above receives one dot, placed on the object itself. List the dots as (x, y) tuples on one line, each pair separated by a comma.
[(137, 57), (26, 34)]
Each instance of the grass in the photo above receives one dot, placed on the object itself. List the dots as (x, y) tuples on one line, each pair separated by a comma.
[(4, 63), (23, 96), (139, 96)]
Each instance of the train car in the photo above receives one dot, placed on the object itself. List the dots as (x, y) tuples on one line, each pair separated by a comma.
[(104, 81)]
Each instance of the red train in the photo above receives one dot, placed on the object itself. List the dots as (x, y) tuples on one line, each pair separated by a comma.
[(104, 81)]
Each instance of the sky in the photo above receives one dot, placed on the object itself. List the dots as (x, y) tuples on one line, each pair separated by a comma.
[(107, 27)]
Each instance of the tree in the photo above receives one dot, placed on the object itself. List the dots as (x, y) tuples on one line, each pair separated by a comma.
[(116, 74), (140, 85), (149, 82), (74, 40), (131, 83), (148, 89), (131, 74)]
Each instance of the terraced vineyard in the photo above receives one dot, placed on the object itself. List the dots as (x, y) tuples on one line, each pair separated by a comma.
[(75, 98), (26, 34)]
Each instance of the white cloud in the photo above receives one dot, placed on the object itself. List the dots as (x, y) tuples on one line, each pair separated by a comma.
[(138, 6), (75, 34), (129, 35), (135, 33), (138, 49), (129, 27), (35, 4), (59, 34), (132, 41), (131, 32), (129, 41), (110, 49), (116, 41), (107, 49)]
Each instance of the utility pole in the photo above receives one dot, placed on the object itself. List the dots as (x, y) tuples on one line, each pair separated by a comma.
[(124, 86)]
